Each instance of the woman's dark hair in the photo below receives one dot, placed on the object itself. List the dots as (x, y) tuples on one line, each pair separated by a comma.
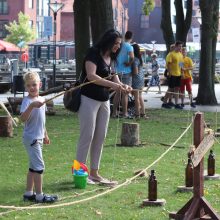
[(107, 41), (137, 53)]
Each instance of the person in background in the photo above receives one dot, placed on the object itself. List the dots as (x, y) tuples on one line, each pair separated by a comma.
[(123, 68), (174, 64), (138, 82), (155, 79), (168, 95), (94, 111), (34, 136), (186, 80)]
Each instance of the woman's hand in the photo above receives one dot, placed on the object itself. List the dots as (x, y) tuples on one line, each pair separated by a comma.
[(127, 88)]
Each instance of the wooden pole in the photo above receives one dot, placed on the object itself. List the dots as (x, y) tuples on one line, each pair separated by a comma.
[(197, 207)]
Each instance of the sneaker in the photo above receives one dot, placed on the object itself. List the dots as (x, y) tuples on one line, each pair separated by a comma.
[(127, 117), (48, 199), (182, 105), (193, 105), (165, 105), (31, 198), (171, 104), (177, 106)]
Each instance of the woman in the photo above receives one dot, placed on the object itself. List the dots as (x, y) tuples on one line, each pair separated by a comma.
[(138, 82), (94, 111)]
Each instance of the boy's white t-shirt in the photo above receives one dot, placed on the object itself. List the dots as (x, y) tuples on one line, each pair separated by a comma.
[(34, 127)]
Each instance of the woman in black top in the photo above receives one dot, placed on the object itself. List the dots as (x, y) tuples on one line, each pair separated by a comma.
[(94, 111)]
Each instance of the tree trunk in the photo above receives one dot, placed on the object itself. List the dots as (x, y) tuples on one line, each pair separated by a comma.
[(209, 12), (101, 17), (183, 23), (82, 32), (166, 24)]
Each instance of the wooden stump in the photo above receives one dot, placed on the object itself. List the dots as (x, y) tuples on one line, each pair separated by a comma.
[(6, 128), (130, 134), (50, 108)]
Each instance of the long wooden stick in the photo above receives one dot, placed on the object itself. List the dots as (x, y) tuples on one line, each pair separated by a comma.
[(79, 86), (8, 113)]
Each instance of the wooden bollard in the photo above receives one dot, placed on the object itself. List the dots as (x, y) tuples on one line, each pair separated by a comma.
[(130, 134), (6, 128)]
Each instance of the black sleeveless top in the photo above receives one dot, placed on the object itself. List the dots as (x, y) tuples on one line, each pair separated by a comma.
[(93, 91)]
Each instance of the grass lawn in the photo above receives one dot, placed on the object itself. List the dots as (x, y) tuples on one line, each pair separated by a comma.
[(156, 134)]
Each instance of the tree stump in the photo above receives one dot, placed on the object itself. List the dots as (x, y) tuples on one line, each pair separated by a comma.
[(50, 108), (130, 134), (15, 103), (6, 127)]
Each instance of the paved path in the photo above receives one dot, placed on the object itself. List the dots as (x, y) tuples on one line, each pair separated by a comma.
[(153, 99)]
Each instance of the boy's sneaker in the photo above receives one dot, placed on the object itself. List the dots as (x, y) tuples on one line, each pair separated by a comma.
[(171, 104), (31, 198), (48, 199), (177, 106), (166, 105), (193, 105), (182, 105)]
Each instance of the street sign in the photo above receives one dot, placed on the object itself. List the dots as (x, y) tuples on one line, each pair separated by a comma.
[(201, 150)]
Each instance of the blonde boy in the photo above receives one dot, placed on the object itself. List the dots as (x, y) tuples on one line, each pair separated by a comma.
[(34, 136)]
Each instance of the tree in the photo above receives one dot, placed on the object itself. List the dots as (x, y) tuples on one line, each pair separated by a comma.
[(20, 31), (209, 32), (166, 25), (183, 22), (101, 17), (148, 6), (82, 31)]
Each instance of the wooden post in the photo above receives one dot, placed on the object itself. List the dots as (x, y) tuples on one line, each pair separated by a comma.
[(197, 207), (6, 127), (130, 134)]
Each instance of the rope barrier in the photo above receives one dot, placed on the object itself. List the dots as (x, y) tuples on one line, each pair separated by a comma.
[(79, 86), (126, 182)]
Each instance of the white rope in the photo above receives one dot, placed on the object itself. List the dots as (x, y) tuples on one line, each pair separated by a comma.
[(116, 136)]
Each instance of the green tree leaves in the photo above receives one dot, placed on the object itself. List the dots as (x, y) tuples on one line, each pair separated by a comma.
[(148, 6), (20, 31)]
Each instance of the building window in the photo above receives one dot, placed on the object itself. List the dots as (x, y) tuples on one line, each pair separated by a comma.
[(196, 3), (40, 10), (30, 4), (174, 19), (144, 21), (31, 23), (185, 4), (3, 31), (3, 7)]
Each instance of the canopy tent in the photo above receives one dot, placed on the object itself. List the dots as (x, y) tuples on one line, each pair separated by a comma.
[(8, 47)]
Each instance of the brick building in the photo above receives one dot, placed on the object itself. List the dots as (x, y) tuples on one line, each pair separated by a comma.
[(147, 28), (37, 9)]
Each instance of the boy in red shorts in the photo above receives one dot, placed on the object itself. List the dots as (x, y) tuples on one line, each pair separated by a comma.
[(186, 80)]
